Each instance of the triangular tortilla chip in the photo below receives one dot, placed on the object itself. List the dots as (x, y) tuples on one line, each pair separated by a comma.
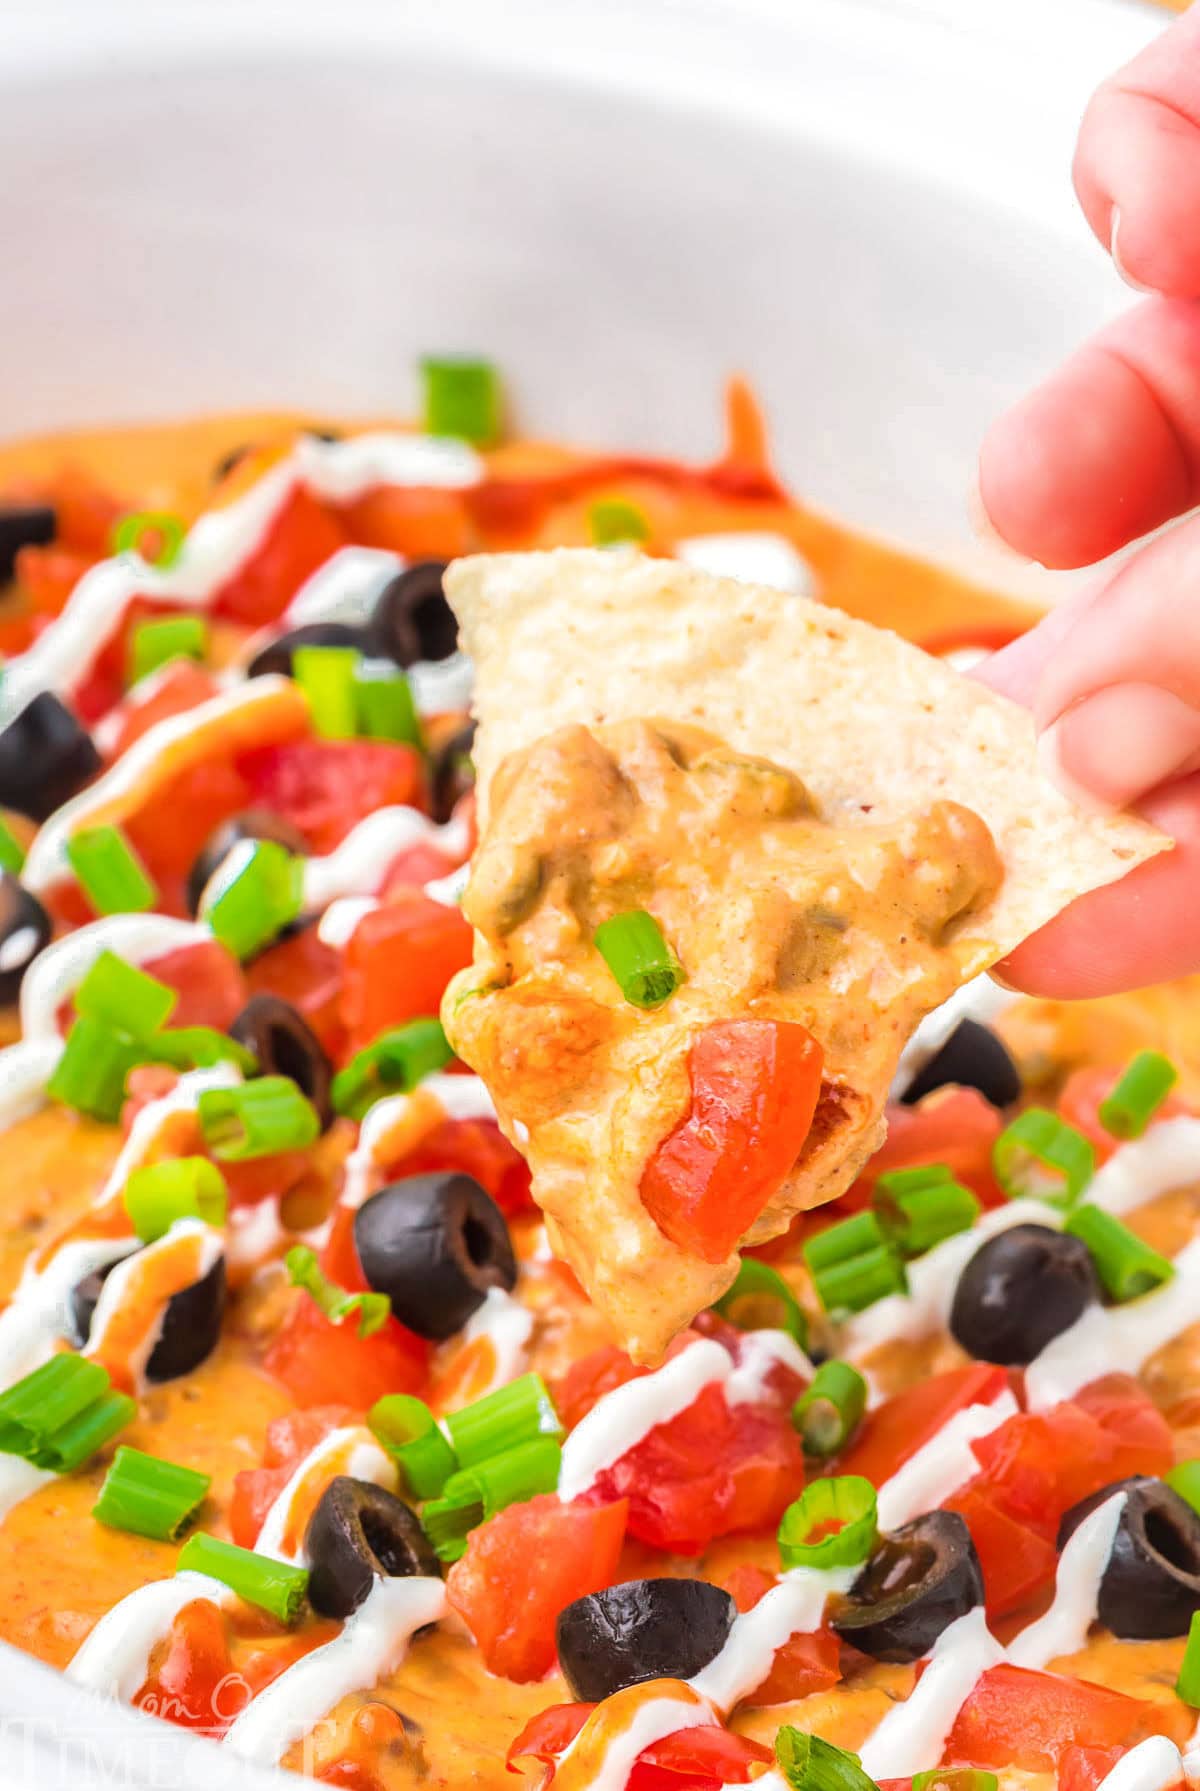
[(877, 731)]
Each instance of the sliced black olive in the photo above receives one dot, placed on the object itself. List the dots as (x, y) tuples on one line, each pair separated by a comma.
[(1019, 1291), (435, 1245), (277, 655), (972, 1057), (46, 755), (1151, 1586), (251, 824), (191, 1323), (357, 1534), (23, 525), (286, 1045), (24, 931), (451, 773), (411, 619), (919, 1580), (643, 1629)]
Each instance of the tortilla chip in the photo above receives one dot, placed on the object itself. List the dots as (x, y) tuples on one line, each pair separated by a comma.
[(875, 729)]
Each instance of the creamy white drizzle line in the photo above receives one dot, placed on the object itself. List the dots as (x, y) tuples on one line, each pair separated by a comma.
[(372, 1644), (344, 589), (1064, 1628), (357, 866), (113, 1294), (460, 1097), (796, 1606), (47, 861), (760, 1353), (1153, 1765), (620, 1419), (351, 1450), (339, 922), (943, 1464), (114, 1659), (981, 999), (25, 1070), (1166, 1157), (59, 970), (757, 556), (508, 1326), (220, 542), (655, 1720), (912, 1736)]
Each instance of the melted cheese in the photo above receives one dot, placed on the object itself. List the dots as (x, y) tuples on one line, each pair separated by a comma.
[(128, 1319)]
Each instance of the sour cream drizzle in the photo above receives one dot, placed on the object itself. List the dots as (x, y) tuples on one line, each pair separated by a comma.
[(351, 1449), (796, 1606), (943, 1464), (114, 1659), (508, 1326), (657, 1718), (357, 866), (133, 1281), (758, 557)]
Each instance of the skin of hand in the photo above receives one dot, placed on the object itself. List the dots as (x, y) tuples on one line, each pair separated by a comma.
[(1104, 451)]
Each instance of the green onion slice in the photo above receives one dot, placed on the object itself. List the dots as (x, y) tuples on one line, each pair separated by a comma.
[(919, 1207), (384, 705), (111, 874), (1137, 1097), (1126, 1266), (370, 1309), (120, 996), (1184, 1478), (411, 1435), (393, 1063), (90, 1074), (503, 1420), (199, 1047), (149, 1497), (260, 890), (639, 957), (156, 643), (853, 1264), (1042, 1157), (830, 1410), (87, 1434), (461, 397), (58, 1416), (273, 1586), (956, 1778), (475, 1494), (1187, 1686), (761, 1300), (326, 676), (258, 1119), (831, 1524), (129, 536), (613, 520), (810, 1764), (179, 1188), (12, 852), (843, 1241)]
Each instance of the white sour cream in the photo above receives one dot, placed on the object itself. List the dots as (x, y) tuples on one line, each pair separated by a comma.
[(357, 866), (508, 1326), (1166, 1157), (981, 999), (114, 1660), (59, 970), (912, 1736), (349, 1450), (796, 1606), (756, 556), (1064, 1628), (943, 1464), (109, 1312), (656, 1720), (618, 1421), (1153, 1765)]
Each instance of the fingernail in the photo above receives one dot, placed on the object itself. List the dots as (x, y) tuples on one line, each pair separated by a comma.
[(1114, 249), (1115, 745)]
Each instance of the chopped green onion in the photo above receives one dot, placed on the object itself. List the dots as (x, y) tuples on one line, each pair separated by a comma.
[(119, 995), (1184, 1478), (411, 1435), (639, 957), (393, 1063), (462, 397), (384, 705), (1128, 1109), (273, 1586), (149, 1497), (612, 520), (475, 1494), (178, 1188), (112, 876), (154, 644), (503, 1420), (90, 1074), (761, 1300), (1041, 1156), (12, 852), (831, 1524), (326, 676), (1126, 1266), (1187, 1686), (129, 534), (830, 1410), (838, 1243), (448, 1521), (61, 1414), (259, 892), (853, 1264), (86, 1435), (919, 1207), (199, 1047), (371, 1309), (956, 1778), (258, 1119), (810, 1764)]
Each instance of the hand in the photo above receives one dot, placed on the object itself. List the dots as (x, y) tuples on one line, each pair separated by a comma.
[(1107, 449)]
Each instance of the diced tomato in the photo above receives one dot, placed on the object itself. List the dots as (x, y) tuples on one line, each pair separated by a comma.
[(170, 826), (289, 1439), (989, 637), (955, 1126), (589, 1379), (1017, 1561), (1079, 1105), (326, 787), (48, 575), (326, 1364), (689, 1759), (711, 1471), (522, 1567), (85, 513), (902, 1424), (398, 962), (18, 633), (302, 536), (183, 686), (754, 1088), (1017, 1718), (264, 1178), (414, 867), (549, 1733), (145, 1083), (421, 524), (805, 1664), (191, 1685), (303, 970), (1135, 1427), (208, 979), (476, 1147), (1083, 1768)]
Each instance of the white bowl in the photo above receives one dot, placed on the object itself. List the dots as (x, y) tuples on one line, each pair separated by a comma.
[(866, 207)]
